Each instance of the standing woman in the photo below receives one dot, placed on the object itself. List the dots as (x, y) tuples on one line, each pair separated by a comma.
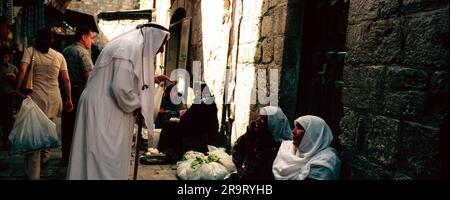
[(48, 65), (309, 155)]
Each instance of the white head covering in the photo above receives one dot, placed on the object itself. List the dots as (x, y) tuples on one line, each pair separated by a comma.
[(139, 47), (294, 163), (277, 123)]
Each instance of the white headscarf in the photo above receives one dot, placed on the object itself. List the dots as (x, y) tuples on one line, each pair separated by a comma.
[(294, 163), (139, 47), (277, 123)]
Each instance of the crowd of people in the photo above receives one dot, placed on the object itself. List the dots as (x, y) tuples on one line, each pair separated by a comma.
[(99, 105)]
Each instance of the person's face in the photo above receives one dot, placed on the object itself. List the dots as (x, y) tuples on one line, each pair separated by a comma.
[(297, 134), (173, 93), (88, 39), (198, 92), (260, 123), (161, 49)]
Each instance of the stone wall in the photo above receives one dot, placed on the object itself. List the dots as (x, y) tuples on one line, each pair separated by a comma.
[(94, 7), (259, 43), (395, 93), (264, 41)]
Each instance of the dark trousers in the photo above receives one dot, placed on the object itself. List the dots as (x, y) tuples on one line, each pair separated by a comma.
[(6, 118), (68, 125)]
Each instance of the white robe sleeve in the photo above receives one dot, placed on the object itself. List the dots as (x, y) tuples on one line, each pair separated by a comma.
[(123, 86)]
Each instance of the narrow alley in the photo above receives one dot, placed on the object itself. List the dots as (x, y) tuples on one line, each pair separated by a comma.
[(56, 170)]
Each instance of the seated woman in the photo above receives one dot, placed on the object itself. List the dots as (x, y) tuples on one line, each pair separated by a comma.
[(309, 155), (168, 109), (199, 125), (254, 152), (197, 128)]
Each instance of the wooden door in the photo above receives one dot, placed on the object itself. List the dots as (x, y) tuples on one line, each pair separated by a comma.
[(322, 61)]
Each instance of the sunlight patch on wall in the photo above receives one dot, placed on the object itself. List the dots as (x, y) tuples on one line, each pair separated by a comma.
[(112, 29), (215, 32), (215, 46), (246, 69)]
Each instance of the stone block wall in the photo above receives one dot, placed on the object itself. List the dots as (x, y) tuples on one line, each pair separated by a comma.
[(395, 93), (94, 7), (260, 42), (267, 33)]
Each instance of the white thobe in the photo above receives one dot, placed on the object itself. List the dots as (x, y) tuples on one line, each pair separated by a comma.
[(101, 144), (103, 136)]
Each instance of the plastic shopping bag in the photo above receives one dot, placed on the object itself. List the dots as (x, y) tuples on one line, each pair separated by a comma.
[(184, 166), (32, 130), (197, 166), (224, 159), (209, 171), (184, 169), (159, 90)]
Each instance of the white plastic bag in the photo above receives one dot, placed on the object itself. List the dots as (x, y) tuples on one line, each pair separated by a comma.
[(184, 166), (184, 169), (32, 130), (151, 135), (159, 90), (224, 159), (209, 171), (192, 155), (197, 166)]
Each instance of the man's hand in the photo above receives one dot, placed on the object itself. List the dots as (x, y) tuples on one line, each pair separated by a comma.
[(162, 78)]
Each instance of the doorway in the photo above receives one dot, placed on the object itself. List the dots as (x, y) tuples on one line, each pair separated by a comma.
[(177, 47), (323, 52)]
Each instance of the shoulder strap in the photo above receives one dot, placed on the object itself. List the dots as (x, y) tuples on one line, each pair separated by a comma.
[(32, 56)]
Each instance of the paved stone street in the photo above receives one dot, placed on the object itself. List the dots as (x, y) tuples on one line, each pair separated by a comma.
[(56, 171)]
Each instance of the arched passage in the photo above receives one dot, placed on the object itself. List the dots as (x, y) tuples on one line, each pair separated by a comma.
[(173, 51)]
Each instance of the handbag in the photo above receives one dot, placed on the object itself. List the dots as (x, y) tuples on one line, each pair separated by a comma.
[(27, 86)]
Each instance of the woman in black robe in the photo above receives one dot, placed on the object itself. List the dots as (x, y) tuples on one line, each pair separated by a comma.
[(254, 152), (197, 128)]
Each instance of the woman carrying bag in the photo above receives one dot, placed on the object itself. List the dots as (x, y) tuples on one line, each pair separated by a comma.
[(48, 65)]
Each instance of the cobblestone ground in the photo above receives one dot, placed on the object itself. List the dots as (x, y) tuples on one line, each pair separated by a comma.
[(56, 171)]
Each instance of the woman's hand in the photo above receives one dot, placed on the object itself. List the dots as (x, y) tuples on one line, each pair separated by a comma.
[(182, 112), (68, 106)]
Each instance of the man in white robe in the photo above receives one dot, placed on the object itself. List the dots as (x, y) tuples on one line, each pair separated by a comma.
[(122, 81)]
